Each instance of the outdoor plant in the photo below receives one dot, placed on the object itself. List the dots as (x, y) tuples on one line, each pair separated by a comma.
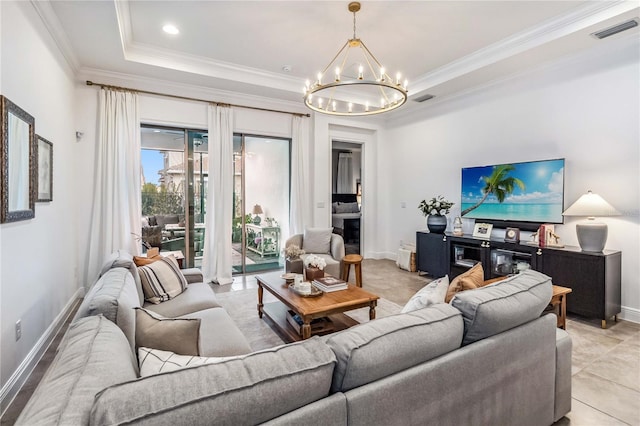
[(293, 252), (313, 261), (436, 206)]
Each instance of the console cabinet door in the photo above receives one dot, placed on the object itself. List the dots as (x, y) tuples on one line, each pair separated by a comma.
[(432, 254), (594, 278)]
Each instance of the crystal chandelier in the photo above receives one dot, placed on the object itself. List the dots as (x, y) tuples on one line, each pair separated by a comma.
[(359, 84)]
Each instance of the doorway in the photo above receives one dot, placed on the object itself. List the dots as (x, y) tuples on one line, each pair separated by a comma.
[(346, 193)]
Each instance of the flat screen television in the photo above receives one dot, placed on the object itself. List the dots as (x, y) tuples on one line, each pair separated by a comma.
[(521, 195)]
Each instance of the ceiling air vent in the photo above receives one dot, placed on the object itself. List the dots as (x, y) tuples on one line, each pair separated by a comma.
[(423, 98), (616, 29)]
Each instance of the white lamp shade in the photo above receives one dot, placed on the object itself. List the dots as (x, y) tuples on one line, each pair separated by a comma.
[(591, 205)]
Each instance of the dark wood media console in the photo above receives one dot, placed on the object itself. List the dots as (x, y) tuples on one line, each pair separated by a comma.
[(595, 278)]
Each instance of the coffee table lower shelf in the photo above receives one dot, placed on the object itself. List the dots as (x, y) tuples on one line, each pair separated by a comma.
[(276, 314)]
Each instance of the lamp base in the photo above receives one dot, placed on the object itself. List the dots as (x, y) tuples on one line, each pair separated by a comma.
[(592, 236)]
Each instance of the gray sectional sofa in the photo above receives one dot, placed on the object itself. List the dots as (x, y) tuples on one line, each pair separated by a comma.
[(486, 358)]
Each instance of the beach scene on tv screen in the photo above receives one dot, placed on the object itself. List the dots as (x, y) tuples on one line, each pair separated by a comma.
[(527, 192)]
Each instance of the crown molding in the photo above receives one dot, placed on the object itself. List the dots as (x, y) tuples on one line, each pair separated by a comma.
[(58, 35), (184, 89), (550, 30), (166, 58), (470, 94)]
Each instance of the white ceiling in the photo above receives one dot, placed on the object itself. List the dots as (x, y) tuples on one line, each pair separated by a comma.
[(442, 47)]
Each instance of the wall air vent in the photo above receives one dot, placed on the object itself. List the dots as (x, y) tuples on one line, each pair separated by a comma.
[(423, 98), (616, 29)]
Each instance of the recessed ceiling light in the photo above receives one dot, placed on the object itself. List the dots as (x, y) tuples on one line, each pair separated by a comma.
[(170, 29)]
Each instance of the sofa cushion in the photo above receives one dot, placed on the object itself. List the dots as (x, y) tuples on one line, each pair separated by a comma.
[(115, 297), (379, 348), (123, 259), (249, 390), (219, 335), (317, 240), (162, 280), (196, 297), (503, 305), (165, 219), (170, 334), (473, 278), (155, 361), (432, 293), (93, 354)]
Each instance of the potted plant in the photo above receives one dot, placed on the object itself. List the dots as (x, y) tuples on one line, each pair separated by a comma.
[(435, 210), (292, 255), (314, 267)]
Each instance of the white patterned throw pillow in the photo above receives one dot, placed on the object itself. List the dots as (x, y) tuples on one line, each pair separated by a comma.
[(432, 293), (154, 361)]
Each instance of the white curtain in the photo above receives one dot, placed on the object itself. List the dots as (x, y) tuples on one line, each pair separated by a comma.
[(300, 210), (345, 174), (216, 262), (116, 195)]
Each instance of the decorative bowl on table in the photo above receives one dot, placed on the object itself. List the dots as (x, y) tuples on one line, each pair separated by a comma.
[(315, 292), (288, 277)]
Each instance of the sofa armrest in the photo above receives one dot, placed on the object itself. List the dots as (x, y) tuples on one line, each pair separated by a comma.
[(337, 247), (193, 275), (563, 375), (294, 239)]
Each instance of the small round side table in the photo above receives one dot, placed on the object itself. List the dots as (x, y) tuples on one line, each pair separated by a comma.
[(356, 260)]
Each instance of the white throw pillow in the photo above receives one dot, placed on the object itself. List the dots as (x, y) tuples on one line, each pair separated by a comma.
[(432, 293), (317, 240), (154, 361)]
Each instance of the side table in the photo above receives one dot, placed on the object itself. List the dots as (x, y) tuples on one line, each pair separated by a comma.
[(559, 298)]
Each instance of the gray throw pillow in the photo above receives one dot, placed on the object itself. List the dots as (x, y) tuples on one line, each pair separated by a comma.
[(179, 335), (317, 240)]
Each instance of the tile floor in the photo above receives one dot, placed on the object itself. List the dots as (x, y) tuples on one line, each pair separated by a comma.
[(606, 363)]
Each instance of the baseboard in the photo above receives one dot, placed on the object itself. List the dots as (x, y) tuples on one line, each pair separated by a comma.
[(381, 255), (20, 376), (630, 314)]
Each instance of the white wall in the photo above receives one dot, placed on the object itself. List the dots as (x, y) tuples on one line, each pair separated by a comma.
[(38, 267), (585, 109)]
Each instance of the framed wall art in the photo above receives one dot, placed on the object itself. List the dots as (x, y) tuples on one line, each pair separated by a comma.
[(45, 169), (482, 230), (18, 156)]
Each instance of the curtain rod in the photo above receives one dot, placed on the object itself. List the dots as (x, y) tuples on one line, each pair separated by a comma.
[(108, 86)]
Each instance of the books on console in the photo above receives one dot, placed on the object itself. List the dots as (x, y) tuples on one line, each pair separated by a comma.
[(329, 284)]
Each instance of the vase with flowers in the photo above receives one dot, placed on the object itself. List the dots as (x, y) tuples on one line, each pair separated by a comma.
[(293, 263), (435, 210), (314, 267)]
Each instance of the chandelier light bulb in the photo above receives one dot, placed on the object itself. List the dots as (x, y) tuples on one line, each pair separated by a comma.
[(334, 105), (382, 74), (319, 78), (381, 102), (398, 75), (360, 72), (337, 73), (366, 106), (320, 103), (310, 98), (307, 83), (350, 107), (406, 83)]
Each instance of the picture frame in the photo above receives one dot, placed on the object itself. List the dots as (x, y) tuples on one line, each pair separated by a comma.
[(18, 155), (512, 235), (482, 230), (45, 170)]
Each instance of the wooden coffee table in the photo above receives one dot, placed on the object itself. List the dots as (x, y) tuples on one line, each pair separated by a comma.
[(332, 305)]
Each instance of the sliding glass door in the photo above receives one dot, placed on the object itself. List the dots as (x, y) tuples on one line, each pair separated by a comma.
[(174, 174), (261, 202)]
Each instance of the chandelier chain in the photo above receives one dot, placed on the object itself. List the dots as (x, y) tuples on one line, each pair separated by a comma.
[(354, 25)]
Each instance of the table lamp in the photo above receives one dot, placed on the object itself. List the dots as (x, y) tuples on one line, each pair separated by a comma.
[(257, 209), (592, 235)]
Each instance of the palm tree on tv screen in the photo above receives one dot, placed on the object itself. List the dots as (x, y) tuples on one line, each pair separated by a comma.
[(499, 183)]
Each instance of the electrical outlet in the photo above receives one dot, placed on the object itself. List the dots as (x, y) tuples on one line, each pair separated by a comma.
[(18, 330)]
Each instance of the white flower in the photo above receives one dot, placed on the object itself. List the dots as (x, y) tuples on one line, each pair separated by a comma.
[(315, 262)]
